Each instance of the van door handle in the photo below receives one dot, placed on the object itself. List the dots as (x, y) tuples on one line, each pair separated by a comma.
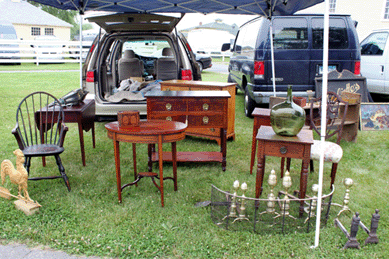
[(382, 68)]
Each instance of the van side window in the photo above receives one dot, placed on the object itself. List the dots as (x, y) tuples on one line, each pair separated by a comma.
[(374, 44), (247, 38), (337, 34), (290, 33)]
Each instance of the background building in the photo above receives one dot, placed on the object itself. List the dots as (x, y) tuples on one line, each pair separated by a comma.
[(211, 36), (30, 21), (370, 14)]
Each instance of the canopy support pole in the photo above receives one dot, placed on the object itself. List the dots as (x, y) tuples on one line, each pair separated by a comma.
[(273, 69), (323, 118), (80, 17)]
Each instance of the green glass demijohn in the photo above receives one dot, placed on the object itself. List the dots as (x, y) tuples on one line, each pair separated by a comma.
[(287, 118)]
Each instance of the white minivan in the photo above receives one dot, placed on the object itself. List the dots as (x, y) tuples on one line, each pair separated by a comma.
[(375, 61)]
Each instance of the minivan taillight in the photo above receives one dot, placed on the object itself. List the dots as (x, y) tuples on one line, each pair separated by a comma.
[(186, 74), (90, 76), (259, 69), (357, 68)]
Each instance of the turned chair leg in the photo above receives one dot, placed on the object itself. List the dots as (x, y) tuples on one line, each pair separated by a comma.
[(62, 171), (27, 164), (311, 166), (333, 173)]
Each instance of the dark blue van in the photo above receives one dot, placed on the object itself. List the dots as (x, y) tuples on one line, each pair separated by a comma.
[(298, 55)]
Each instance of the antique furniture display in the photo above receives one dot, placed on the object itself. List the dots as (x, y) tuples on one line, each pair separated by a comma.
[(148, 132), (198, 109), (185, 85), (271, 144), (40, 132)]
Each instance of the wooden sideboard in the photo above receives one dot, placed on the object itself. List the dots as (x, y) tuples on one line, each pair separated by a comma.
[(199, 110), (185, 85)]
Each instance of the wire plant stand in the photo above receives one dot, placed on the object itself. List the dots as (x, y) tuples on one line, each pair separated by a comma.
[(272, 215)]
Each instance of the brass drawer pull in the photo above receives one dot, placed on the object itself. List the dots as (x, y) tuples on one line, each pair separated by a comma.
[(205, 106), (168, 107), (283, 150), (168, 118), (205, 120)]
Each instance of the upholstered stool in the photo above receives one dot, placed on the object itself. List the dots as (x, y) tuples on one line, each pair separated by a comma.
[(332, 153)]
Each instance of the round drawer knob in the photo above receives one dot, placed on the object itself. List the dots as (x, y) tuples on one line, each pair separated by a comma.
[(168, 118), (205, 120), (168, 106), (283, 150), (205, 106)]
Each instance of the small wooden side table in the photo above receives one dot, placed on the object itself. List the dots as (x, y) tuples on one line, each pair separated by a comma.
[(271, 144), (149, 132), (261, 117), (84, 115)]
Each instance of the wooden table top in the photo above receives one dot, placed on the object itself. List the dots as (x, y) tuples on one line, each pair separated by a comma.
[(195, 83), (188, 94), (148, 127)]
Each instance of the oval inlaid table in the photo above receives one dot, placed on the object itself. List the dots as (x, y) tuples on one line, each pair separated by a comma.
[(147, 132)]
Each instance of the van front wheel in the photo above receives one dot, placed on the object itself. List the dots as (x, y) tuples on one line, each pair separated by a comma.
[(249, 105)]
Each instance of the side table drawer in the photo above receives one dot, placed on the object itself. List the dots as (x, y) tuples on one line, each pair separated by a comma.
[(215, 120), (283, 150), (170, 105)]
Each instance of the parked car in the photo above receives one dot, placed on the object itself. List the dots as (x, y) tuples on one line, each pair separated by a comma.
[(8, 50), (140, 47), (87, 41), (375, 61), (48, 49), (298, 53), (204, 61)]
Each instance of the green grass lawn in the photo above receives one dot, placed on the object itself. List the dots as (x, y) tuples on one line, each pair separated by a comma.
[(90, 221)]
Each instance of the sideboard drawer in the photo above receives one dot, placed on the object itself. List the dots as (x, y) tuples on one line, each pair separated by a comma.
[(208, 104), (170, 105), (217, 120), (164, 116)]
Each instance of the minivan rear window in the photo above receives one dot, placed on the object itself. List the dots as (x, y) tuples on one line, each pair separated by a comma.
[(290, 33), (337, 34)]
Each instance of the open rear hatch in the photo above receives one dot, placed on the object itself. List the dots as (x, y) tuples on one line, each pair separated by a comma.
[(136, 22)]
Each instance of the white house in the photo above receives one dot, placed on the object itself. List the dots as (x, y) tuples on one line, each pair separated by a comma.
[(30, 21), (210, 36)]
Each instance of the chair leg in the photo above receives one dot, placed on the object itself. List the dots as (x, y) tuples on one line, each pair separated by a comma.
[(311, 166), (333, 173), (62, 171), (27, 164)]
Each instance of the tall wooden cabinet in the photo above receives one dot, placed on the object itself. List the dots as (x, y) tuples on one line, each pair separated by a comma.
[(211, 133)]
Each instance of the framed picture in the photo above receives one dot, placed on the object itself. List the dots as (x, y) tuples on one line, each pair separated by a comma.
[(374, 116)]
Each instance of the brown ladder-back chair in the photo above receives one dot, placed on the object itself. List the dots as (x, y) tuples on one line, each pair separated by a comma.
[(336, 116), (40, 131)]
